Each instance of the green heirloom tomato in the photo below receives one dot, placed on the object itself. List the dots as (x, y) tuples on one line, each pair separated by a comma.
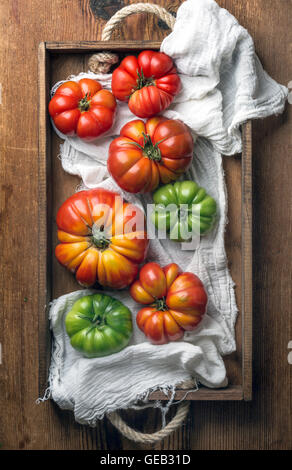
[(183, 209), (99, 325)]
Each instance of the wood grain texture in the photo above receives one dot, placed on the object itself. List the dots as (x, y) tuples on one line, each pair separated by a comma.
[(246, 246), (263, 423)]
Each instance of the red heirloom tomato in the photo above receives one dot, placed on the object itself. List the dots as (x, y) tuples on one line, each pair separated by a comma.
[(83, 108), (146, 154), (176, 302), (149, 83), (103, 238)]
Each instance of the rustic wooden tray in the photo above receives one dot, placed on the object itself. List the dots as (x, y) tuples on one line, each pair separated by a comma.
[(56, 62)]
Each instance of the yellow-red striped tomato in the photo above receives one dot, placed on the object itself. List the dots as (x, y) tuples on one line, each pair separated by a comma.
[(176, 302), (102, 238)]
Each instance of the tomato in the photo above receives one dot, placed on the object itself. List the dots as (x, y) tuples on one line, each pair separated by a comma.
[(176, 302), (147, 154), (103, 238), (83, 108), (99, 325), (183, 209), (149, 83)]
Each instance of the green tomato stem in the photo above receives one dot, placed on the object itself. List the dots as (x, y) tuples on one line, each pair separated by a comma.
[(99, 238), (149, 150), (143, 81), (160, 304), (84, 104)]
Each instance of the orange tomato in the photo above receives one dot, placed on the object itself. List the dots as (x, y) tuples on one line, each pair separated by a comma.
[(147, 154), (102, 238), (176, 302), (83, 108)]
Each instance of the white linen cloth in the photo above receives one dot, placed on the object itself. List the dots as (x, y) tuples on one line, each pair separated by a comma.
[(223, 85)]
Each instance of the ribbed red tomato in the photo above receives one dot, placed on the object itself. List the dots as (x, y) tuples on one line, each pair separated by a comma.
[(102, 238), (176, 302), (83, 108), (148, 82), (146, 154)]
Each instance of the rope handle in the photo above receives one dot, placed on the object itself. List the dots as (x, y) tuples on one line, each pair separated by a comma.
[(102, 61), (144, 438)]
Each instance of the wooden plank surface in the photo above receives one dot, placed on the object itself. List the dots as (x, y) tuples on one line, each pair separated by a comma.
[(247, 274), (263, 423)]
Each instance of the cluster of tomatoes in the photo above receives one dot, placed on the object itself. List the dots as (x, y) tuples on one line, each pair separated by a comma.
[(98, 242), (145, 154)]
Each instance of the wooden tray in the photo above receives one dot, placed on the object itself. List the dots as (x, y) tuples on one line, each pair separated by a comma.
[(56, 62)]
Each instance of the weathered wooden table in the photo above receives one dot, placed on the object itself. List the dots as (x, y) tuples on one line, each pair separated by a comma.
[(263, 423)]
